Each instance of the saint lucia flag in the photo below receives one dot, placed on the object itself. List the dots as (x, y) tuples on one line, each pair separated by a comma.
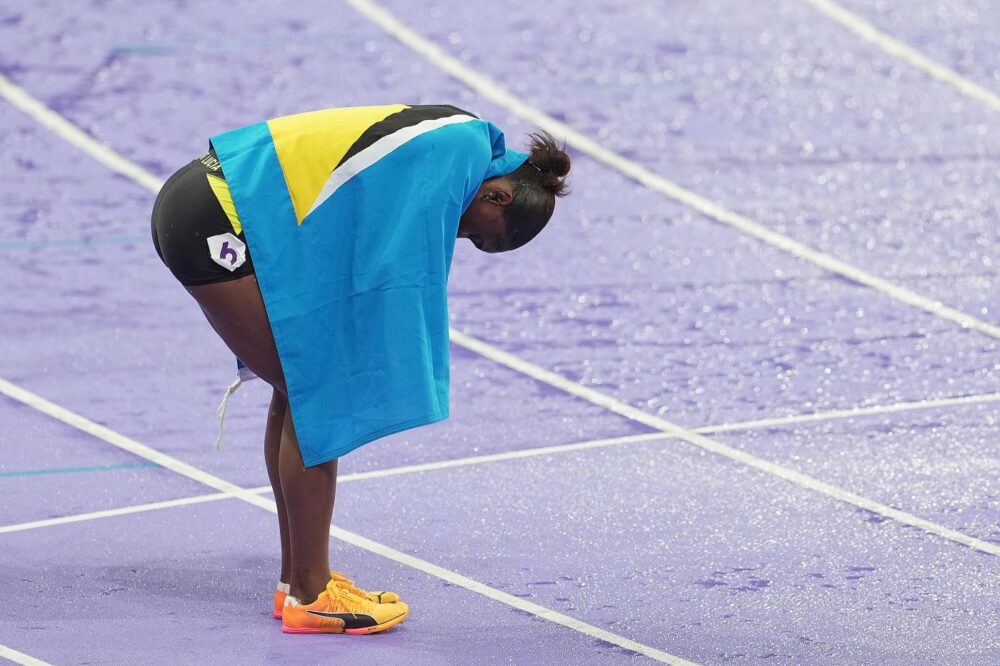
[(351, 217)]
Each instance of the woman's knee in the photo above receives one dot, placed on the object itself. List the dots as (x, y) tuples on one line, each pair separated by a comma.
[(279, 399), (236, 311)]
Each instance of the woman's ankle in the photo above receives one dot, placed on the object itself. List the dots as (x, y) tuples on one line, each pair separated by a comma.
[(307, 588)]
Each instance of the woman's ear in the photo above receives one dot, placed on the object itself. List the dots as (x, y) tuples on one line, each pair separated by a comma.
[(492, 197), (498, 196)]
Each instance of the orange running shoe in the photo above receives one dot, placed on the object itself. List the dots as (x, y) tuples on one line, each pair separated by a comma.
[(379, 597), (337, 611)]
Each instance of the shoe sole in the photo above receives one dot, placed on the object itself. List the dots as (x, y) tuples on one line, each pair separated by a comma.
[(363, 630)]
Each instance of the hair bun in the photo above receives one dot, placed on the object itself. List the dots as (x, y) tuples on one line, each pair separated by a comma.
[(551, 159)]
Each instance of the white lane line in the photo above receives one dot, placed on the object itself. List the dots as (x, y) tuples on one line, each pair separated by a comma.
[(20, 658), (874, 410), (490, 90), (121, 441), (110, 513), (510, 600), (739, 426), (342, 478), (547, 377), (894, 47), (495, 93), (506, 455), (531, 452), (699, 440), (66, 130)]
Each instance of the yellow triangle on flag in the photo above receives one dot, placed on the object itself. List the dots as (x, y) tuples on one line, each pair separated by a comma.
[(310, 145)]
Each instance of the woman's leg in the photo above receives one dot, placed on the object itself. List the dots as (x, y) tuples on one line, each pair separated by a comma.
[(309, 495), (236, 311), (272, 447)]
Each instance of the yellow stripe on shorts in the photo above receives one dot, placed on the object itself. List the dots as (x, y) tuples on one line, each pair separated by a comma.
[(222, 193)]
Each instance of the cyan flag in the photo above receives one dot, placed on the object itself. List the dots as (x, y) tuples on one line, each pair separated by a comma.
[(351, 217)]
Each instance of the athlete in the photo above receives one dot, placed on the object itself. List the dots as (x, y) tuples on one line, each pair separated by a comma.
[(318, 247)]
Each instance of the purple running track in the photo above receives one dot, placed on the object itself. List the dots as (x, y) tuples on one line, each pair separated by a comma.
[(777, 113)]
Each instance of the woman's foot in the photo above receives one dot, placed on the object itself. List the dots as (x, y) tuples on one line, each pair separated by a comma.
[(338, 611), (379, 597)]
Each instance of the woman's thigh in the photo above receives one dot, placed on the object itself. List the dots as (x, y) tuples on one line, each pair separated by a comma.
[(236, 311)]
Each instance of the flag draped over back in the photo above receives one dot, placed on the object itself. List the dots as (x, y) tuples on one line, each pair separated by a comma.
[(351, 216)]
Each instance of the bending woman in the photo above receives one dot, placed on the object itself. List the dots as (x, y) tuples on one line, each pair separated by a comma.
[(318, 246)]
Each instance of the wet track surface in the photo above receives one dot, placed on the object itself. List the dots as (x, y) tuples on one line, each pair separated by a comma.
[(776, 113)]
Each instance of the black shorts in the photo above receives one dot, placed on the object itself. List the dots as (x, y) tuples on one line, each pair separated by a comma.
[(192, 233)]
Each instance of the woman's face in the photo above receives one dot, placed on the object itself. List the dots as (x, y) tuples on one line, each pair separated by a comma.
[(483, 223)]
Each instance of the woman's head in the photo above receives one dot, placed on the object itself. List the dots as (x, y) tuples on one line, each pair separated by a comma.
[(509, 211)]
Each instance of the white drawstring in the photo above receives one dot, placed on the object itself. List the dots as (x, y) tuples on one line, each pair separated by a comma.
[(222, 409)]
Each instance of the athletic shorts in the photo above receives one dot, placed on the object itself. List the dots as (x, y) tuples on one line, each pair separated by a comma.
[(196, 231)]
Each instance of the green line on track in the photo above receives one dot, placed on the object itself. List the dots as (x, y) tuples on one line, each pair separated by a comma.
[(77, 470)]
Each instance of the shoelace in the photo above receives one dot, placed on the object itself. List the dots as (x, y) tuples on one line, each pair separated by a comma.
[(346, 583), (353, 603)]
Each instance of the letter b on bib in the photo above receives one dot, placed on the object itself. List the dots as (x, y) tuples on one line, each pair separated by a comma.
[(228, 251)]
